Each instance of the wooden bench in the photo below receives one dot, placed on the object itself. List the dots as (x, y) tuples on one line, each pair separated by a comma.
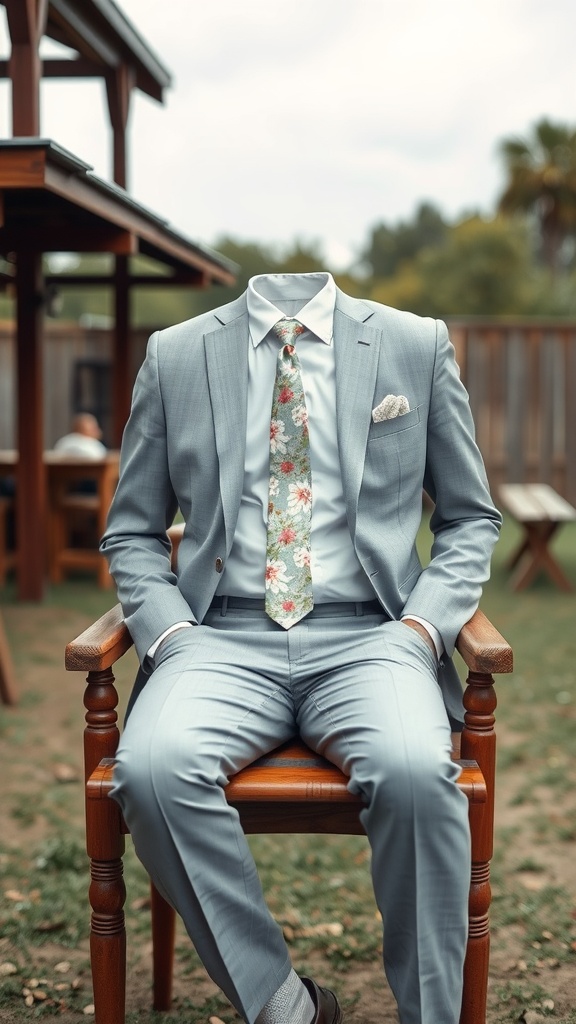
[(541, 512)]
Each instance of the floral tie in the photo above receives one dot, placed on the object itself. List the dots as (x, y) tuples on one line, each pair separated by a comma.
[(288, 574)]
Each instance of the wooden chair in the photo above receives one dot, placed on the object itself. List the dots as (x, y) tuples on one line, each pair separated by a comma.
[(290, 790), (77, 519)]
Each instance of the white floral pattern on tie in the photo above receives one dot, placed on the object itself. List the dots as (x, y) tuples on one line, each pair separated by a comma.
[(288, 574)]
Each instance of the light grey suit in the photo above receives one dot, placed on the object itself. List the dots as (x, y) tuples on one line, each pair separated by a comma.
[(184, 447)]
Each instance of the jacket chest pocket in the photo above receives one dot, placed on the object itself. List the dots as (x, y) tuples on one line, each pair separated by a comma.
[(395, 454), (397, 425)]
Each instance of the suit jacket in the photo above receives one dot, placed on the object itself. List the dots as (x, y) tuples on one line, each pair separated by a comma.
[(184, 447)]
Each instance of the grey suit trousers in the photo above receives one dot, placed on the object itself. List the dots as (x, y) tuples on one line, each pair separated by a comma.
[(363, 692)]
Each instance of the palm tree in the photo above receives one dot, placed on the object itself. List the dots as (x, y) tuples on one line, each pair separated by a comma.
[(542, 182)]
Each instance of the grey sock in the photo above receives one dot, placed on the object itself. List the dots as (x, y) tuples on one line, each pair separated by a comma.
[(290, 1004)]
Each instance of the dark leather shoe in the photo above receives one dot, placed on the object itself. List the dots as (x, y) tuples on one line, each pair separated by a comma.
[(328, 1009)]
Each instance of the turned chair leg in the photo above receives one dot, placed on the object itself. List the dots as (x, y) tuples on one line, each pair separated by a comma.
[(479, 744), (105, 847), (163, 935), (478, 948), (108, 941)]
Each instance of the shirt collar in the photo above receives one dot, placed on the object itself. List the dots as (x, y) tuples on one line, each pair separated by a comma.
[(310, 298)]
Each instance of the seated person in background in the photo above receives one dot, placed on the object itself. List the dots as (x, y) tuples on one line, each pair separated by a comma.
[(84, 440)]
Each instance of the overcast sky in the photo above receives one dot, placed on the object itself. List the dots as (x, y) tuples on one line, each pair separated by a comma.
[(318, 118)]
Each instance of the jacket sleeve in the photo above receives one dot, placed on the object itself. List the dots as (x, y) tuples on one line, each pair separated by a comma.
[(465, 524), (143, 508)]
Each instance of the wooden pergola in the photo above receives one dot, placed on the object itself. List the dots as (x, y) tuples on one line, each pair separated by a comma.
[(50, 201)]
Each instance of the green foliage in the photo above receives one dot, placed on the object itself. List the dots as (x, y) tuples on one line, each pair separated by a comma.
[(390, 247), (481, 268), (541, 173), (253, 258)]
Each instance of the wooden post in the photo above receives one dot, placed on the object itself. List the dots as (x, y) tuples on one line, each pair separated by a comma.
[(26, 24), (119, 85), (31, 502), (121, 377)]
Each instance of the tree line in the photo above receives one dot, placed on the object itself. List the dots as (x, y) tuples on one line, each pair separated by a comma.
[(518, 260)]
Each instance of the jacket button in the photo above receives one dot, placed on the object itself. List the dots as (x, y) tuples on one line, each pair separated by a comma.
[(219, 564)]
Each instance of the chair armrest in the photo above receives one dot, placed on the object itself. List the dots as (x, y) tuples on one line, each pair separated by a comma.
[(99, 646), (483, 648), (107, 639)]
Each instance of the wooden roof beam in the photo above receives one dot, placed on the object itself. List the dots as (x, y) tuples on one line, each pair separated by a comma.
[(69, 193), (152, 76), (83, 35), (73, 67), (75, 238), (99, 31), (96, 29), (176, 279)]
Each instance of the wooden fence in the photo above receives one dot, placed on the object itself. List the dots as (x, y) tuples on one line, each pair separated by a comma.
[(521, 378)]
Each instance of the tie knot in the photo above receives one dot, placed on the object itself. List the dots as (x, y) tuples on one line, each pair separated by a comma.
[(288, 330)]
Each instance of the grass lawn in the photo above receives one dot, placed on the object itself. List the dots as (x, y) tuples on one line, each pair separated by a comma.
[(318, 887)]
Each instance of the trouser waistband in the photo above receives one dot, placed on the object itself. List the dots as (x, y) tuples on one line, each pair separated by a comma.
[(325, 609)]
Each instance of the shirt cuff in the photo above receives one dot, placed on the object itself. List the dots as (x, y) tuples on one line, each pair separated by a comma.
[(172, 629), (435, 635)]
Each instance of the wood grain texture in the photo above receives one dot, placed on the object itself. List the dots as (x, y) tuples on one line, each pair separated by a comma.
[(483, 648), (292, 774), (101, 645)]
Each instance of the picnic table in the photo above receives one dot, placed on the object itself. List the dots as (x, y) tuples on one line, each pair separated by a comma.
[(541, 511)]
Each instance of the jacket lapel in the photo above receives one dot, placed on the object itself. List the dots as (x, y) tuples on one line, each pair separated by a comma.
[(357, 350), (227, 366)]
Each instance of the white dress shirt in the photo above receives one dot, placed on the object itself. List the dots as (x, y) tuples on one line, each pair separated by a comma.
[(336, 571)]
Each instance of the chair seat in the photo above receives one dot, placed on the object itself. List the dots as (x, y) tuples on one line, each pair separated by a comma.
[(289, 787)]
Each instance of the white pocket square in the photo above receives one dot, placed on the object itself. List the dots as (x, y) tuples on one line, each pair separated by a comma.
[(390, 407)]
